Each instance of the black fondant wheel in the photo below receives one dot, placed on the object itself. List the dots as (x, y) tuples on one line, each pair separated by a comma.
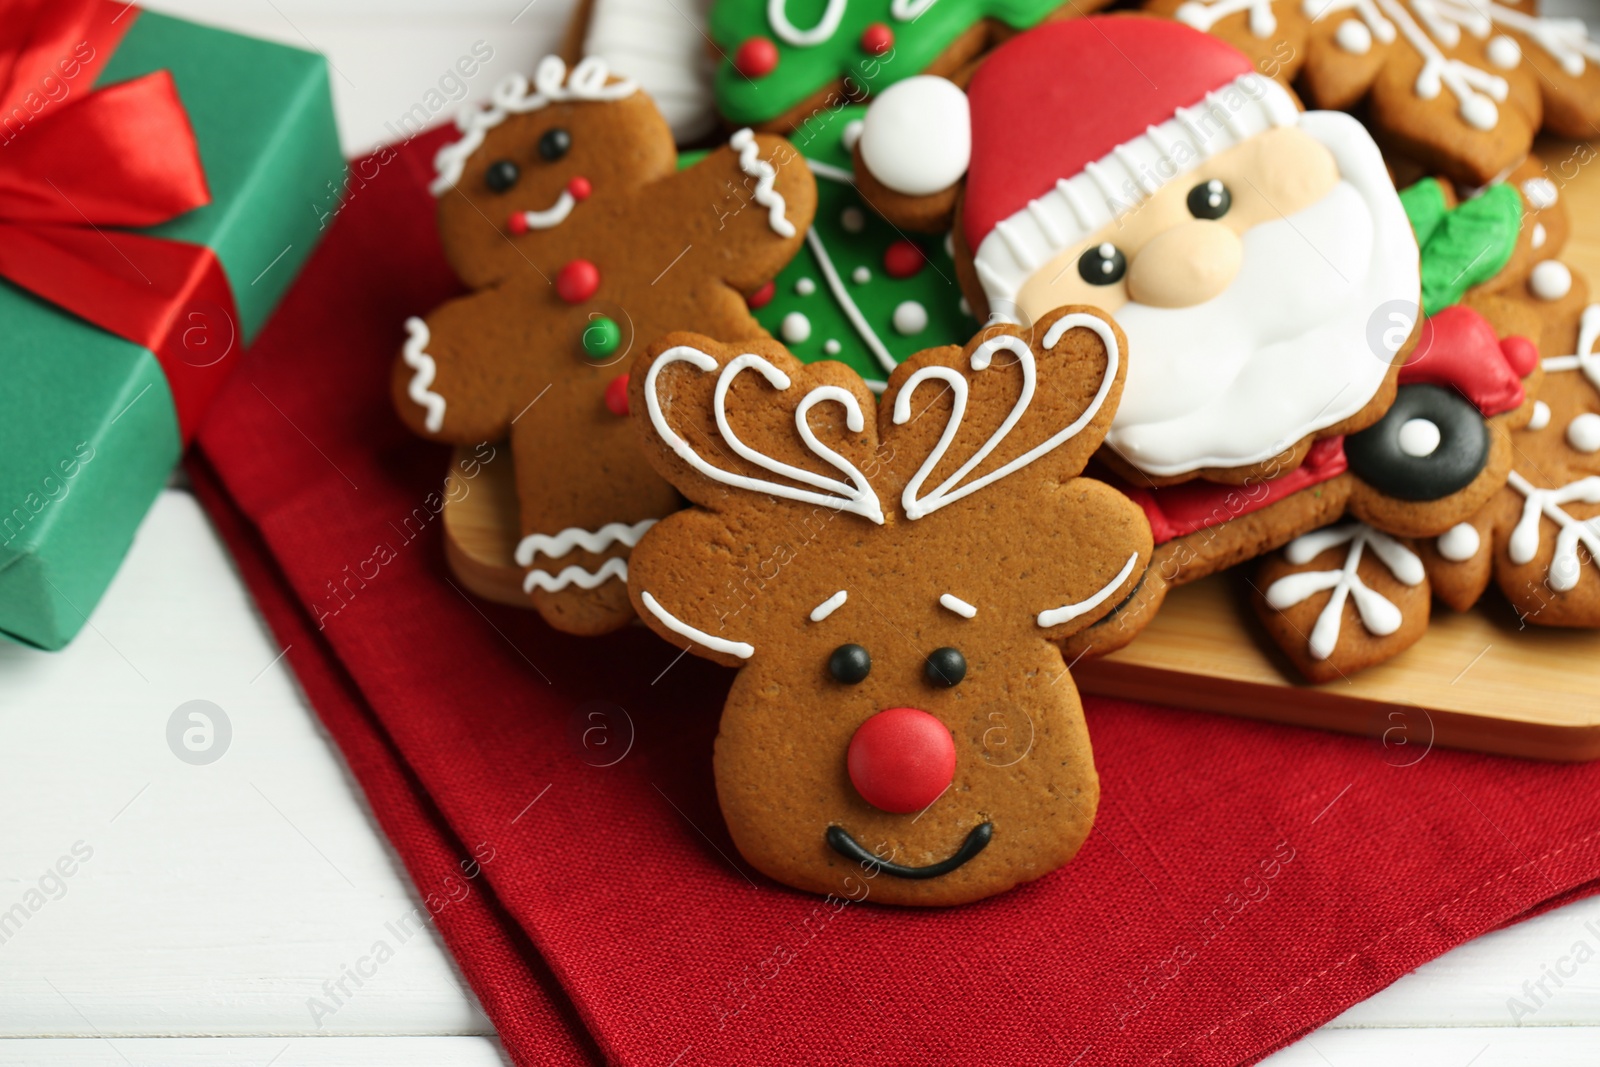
[(1431, 443)]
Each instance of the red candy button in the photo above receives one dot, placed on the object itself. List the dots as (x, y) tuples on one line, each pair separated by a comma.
[(756, 58), (901, 759), (761, 297), (617, 395), (578, 281), (902, 259), (580, 188), (877, 39), (517, 223)]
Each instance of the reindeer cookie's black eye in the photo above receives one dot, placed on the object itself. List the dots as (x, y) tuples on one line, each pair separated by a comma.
[(554, 144), (850, 664), (501, 175), (1210, 200), (945, 667), (1104, 264)]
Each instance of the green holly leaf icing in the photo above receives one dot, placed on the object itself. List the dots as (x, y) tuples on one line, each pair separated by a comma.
[(1465, 246), (922, 30), (837, 284)]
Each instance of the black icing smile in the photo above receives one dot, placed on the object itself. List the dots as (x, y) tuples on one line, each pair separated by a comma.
[(840, 841)]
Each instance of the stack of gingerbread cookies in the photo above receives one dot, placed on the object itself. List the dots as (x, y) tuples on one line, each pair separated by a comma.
[(959, 333)]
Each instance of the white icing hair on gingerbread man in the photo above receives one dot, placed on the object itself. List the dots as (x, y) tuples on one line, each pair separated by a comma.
[(590, 80)]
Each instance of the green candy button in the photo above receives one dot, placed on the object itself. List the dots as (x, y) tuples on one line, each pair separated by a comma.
[(601, 338)]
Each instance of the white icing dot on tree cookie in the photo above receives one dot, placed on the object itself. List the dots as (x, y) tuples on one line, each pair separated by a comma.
[(796, 327), (805, 286), (910, 317), (861, 276)]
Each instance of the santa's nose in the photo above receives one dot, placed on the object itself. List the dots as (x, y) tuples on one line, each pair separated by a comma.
[(1186, 265), (901, 760)]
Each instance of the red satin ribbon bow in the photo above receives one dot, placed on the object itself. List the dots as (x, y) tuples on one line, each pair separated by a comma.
[(76, 164)]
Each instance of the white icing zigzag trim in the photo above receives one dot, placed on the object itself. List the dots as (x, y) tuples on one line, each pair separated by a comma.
[(557, 545), (678, 626), (950, 490), (1586, 359), (1565, 566), (1057, 616), (512, 97), (575, 575), (1204, 14), (1378, 613), (856, 496), (744, 143), (417, 339)]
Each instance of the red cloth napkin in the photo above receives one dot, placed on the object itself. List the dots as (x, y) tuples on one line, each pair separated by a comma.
[(1245, 882)]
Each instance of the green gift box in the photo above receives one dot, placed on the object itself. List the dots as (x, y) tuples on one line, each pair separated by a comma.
[(89, 421)]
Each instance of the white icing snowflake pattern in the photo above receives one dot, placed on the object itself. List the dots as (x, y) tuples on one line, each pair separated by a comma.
[(1377, 612)]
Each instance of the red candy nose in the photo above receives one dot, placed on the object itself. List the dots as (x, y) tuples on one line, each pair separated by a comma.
[(580, 188), (901, 759)]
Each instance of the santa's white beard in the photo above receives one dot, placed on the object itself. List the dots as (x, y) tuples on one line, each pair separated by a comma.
[(1289, 347)]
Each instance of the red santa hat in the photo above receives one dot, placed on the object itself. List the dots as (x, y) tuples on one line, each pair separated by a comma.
[(1072, 125)]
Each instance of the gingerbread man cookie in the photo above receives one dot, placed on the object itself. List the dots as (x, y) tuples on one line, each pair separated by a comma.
[(1462, 86), (786, 60), (1248, 249), (891, 585), (563, 208)]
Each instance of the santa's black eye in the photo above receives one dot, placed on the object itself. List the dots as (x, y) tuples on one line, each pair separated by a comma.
[(1210, 200), (554, 144), (1104, 264), (945, 667), (849, 664), (501, 175)]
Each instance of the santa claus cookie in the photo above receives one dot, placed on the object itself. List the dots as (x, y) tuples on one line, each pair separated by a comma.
[(1339, 600), (860, 291), (902, 728), (787, 60), (563, 208), (1462, 86), (1252, 253)]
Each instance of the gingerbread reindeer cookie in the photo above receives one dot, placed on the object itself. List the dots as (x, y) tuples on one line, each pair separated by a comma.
[(891, 585), (1248, 249), (1460, 85), (563, 208)]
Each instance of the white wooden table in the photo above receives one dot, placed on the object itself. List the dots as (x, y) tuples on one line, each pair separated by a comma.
[(209, 902)]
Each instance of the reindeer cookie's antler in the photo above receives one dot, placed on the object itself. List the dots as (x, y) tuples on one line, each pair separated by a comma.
[(855, 496), (950, 490)]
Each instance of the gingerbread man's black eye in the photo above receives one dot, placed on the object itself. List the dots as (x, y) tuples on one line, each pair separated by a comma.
[(501, 175), (945, 667), (1104, 264), (1210, 200), (849, 664), (554, 144)]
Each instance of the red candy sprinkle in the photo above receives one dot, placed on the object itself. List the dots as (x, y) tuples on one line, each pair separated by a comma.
[(617, 395), (877, 39), (761, 297), (580, 188), (756, 58), (578, 281), (901, 759), (903, 259), (517, 223)]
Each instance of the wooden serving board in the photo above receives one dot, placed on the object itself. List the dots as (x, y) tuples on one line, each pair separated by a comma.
[(1475, 681)]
